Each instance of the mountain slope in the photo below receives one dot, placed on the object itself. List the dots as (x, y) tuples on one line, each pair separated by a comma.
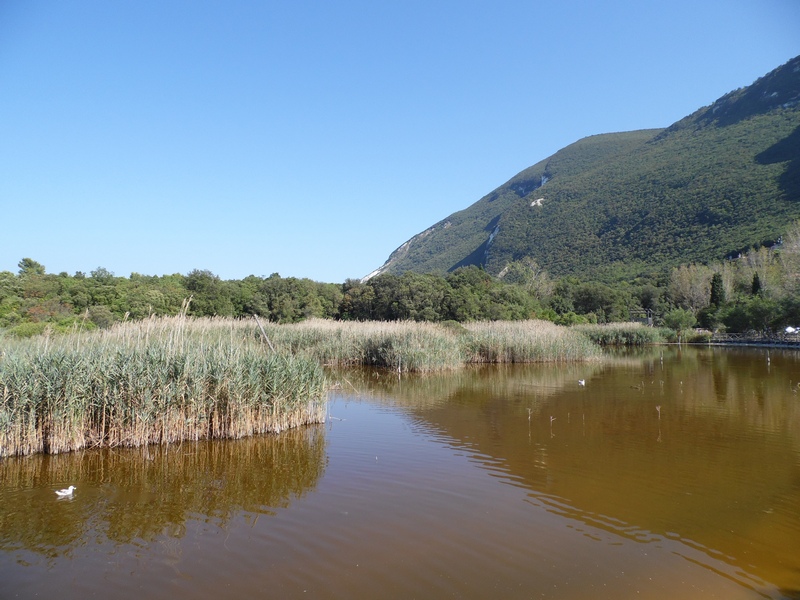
[(618, 205)]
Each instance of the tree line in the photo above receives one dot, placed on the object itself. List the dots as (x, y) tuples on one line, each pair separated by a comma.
[(759, 290)]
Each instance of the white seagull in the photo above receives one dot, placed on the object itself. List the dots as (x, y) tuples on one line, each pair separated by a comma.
[(581, 382), (66, 492)]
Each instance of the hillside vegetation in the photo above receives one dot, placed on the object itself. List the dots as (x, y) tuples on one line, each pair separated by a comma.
[(624, 205), (698, 223)]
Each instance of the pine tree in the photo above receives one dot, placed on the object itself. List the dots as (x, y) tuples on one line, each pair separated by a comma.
[(717, 291), (756, 289)]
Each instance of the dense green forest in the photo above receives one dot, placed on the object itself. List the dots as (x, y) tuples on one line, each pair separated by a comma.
[(759, 290), (620, 206)]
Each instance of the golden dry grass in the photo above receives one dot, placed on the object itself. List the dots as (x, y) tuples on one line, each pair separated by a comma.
[(156, 381)]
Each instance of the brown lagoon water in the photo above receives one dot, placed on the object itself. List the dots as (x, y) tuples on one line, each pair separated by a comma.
[(505, 482)]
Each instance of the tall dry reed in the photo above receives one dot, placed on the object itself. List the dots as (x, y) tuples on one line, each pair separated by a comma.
[(526, 341), (410, 346), (155, 381), (406, 346)]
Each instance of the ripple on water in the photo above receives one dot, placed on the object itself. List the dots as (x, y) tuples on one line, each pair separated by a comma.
[(468, 496)]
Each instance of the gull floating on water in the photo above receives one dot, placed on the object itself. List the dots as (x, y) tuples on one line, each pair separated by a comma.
[(581, 382), (66, 492)]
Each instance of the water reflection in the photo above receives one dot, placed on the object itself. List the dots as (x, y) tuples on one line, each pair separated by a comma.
[(508, 481), (130, 496), (700, 445)]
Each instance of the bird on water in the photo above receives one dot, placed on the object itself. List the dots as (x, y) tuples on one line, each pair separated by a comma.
[(581, 382), (66, 492)]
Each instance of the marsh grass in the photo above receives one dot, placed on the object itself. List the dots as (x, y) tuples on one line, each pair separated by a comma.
[(404, 346), (155, 381), (525, 342), (165, 380), (623, 334), (409, 346), (423, 347)]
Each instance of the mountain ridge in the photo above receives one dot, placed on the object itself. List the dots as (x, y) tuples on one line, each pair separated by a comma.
[(618, 206)]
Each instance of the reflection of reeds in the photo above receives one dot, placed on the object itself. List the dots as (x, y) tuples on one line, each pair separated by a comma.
[(161, 380), (140, 494), (536, 381)]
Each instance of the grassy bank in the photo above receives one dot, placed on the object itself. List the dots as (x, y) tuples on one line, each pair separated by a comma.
[(159, 380)]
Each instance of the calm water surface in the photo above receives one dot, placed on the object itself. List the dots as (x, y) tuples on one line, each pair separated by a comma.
[(671, 474)]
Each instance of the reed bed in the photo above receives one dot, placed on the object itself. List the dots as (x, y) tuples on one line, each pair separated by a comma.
[(157, 381), (623, 334), (525, 342), (165, 380), (405, 346), (409, 346)]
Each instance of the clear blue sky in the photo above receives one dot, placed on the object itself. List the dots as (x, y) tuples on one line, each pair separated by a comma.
[(312, 138)]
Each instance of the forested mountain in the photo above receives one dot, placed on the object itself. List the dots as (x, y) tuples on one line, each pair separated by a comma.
[(623, 205), (610, 228)]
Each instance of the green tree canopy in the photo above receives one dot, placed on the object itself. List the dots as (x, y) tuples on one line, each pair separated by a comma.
[(717, 290), (28, 266)]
